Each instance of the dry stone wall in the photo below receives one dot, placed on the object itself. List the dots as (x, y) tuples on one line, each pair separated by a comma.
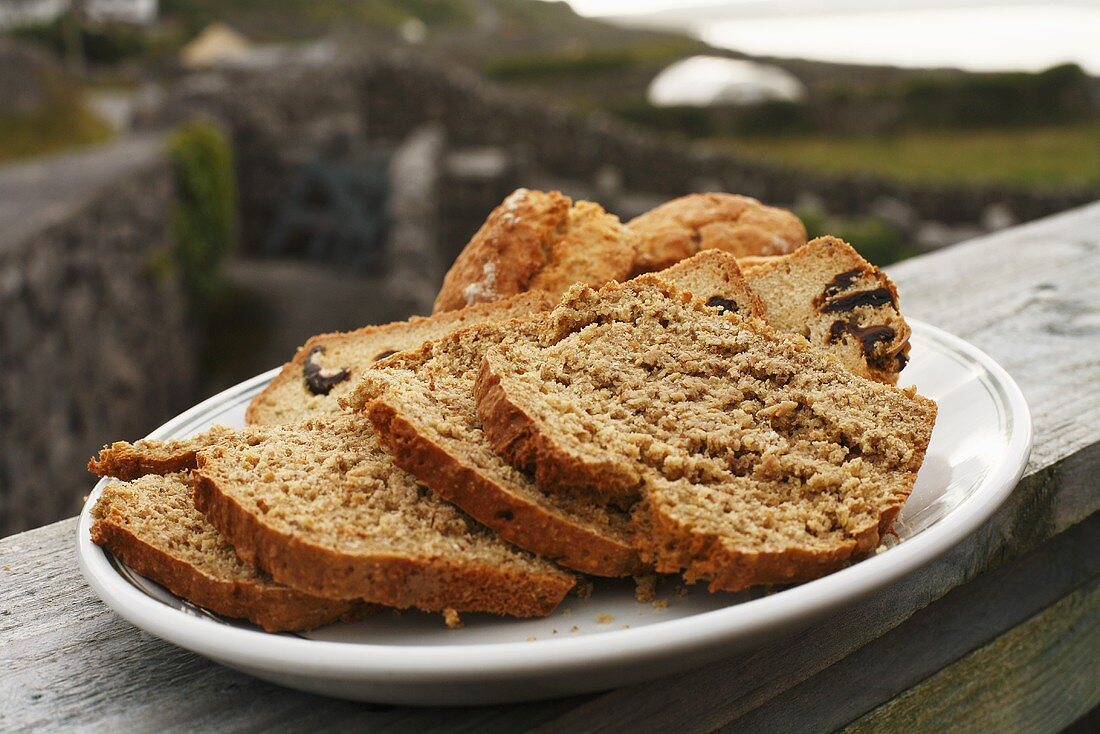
[(282, 116), (94, 345)]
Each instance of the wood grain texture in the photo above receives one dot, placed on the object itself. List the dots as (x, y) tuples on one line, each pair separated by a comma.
[(966, 618), (1029, 297), (1040, 677)]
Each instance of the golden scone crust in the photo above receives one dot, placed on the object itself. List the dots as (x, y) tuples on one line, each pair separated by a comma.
[(737, 224), (538, 240)]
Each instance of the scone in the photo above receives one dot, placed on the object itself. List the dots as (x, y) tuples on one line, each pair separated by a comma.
[(737, 224), (538, 240), (840, 302)]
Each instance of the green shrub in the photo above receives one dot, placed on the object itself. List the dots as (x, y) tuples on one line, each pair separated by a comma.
[(878, 241), (1059, 94), (692, 122), (101, 43), (555, 65), (204, 223)]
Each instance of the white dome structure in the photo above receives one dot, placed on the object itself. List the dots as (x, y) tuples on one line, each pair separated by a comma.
[(705, 81)]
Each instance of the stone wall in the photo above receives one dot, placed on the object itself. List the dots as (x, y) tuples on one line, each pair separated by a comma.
[(285, 115), (94, 345)]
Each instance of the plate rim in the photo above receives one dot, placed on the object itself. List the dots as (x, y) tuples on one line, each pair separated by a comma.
[(692, 634)]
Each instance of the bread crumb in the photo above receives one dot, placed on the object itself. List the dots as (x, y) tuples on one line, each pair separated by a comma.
[(660, 603), (451, 619), (583, 589), (645, 588), (553, 632), (605, 619), (6, 567), (574, 628), (566, 612), (532, 638), (682, 590), (626, 626)]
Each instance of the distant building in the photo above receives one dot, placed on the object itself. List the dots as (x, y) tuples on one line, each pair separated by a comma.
[(705, 81), (138, 12), (216, 44), (15, 13)]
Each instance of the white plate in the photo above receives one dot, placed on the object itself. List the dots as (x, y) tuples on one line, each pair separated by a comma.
[(978, 451)]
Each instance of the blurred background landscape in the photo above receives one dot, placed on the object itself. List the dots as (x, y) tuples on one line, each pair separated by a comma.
[(191, 188)]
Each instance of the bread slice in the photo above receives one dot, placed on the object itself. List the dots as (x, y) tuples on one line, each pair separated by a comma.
[(124, 460), (716, 278), (421, 403), (757, 459), (839, 302), (538, 240), (151, 524), (285, 398), (739, 225), (328, 366), (321, 508)]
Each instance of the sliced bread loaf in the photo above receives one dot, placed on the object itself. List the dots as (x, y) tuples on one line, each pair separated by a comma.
[(151, 524), (421, 403), (839, 302), (756, 458), (321, 508), (538, 240), (739, 225), (328, 366)]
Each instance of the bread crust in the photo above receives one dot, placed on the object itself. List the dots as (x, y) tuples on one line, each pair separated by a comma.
[(537, 240), (275, 608), (516, 437), (675, 548), (513, 518), (128, 461), (431, 585), (736, 224), (288, 387), (775, 280)]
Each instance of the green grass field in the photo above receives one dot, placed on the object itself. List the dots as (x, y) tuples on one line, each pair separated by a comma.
[(64, 123), (1048, 156)]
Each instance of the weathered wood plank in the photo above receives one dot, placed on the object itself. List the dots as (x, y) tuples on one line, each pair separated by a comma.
[(711, 697), (68, 662), (1040, 677), (964, 620), (1030, 297), (65, 660)]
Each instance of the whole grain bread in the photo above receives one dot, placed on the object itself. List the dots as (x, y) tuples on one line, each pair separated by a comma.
[(328, 366), (538, 241), (321, 508), (839, 302), (739, 225), (124, 460), (150, 538), (151, 524), (421, 403), (716, 278), (756, 459)]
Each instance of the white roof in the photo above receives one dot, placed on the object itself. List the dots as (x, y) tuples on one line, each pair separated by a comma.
[(702, 81)]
